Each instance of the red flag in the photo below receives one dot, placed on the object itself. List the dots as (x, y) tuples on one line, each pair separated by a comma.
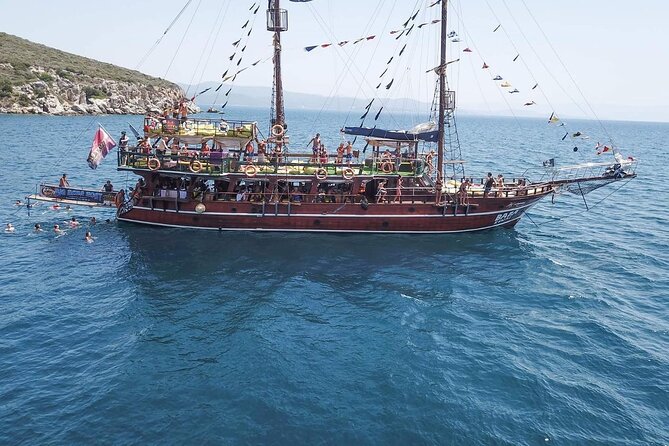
[(103, 143)]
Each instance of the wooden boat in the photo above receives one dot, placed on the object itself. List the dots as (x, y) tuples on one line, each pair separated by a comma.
[(223, 185)]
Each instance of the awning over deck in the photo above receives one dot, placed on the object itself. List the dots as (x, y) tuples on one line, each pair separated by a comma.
[(396, 135)]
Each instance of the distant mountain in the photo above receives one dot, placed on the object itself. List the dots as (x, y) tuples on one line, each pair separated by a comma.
[(260, 97), (38, 79)]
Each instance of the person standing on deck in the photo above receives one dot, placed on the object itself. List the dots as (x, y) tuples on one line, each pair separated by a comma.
[(108, 186), (489, 183), (398, 190), (63, 181), (315, 147), (349, 152)]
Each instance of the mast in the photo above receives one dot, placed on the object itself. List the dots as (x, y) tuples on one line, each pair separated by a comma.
[(442, 95), (277, 21)]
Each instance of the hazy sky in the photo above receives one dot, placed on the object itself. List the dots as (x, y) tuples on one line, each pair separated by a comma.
[(616, 51)]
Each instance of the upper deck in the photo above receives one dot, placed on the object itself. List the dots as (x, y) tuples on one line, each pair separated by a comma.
[(196, 128)]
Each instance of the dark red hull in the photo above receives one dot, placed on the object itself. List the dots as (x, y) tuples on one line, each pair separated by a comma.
[(483, 213)]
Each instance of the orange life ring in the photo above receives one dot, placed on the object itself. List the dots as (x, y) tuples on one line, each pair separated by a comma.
[(250, 170), (321, 174), (153, 164), (195, 166), (386, 167), (348, 173)]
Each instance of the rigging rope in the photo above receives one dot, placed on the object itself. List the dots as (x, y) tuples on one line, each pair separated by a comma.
[(155, 45), (182, 39)]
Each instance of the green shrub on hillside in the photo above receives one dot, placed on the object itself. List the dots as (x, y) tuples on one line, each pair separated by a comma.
[(94, 93), (5, 88), (46, 77), (24, 100)]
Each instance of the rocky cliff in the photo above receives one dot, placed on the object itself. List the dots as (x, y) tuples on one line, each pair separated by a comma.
[(37, 79)]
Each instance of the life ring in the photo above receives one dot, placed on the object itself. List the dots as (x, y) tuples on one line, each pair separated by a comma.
[(386, 167), (348, 173), (321, 174), (277, 130), (153, 164), (250, 170), (195, 166)]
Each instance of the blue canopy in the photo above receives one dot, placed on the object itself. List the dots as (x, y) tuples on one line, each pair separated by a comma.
[(398, 135)]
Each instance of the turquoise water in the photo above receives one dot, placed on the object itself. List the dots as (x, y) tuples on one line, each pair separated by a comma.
[(556, 332)]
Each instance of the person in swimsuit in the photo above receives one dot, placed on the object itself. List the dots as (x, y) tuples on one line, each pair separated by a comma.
[(63, 181), (315, 147), (381, 192), (398, 190)]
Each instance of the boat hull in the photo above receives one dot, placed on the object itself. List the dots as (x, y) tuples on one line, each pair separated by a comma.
[(482, 214)]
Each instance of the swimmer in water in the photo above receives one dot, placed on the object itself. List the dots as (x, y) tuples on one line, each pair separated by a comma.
[(55, 207), (18, 203), (57, 230), (74, 223), (93, 221), (88, 237), (38, 227), (9, 228)]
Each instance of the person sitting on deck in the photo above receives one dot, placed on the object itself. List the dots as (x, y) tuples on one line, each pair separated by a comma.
[(174, 150), (204, 150), (489, 183), (340, 154), (145, 146), (323, 154), (63, 181), (382, 192)]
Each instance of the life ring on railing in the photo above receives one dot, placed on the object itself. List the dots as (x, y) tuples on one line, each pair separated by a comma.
[(250, 170), (277, 130), (386, 167), (321, 174), (195, 166), (153, 164), (348, 173)]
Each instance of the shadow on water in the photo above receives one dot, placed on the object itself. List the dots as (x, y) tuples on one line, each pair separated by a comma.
[(186, 258)]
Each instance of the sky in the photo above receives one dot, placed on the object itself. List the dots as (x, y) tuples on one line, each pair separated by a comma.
[(596, 58)]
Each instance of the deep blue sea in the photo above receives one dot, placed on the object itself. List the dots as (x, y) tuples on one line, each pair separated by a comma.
[(552, 333)]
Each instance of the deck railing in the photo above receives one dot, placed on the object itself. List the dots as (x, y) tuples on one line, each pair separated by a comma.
[(201, 127)]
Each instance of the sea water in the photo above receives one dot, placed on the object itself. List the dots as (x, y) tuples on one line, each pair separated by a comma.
[(555, 332)]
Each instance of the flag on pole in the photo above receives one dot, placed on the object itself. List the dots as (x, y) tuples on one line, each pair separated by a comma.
[(553, 119), (103, 143)]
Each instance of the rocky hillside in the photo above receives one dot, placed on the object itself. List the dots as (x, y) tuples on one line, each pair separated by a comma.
[(37, 79)]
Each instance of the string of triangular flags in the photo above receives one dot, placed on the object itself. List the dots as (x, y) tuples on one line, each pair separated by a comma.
[(237, 56), (503, 83), (398, 33)]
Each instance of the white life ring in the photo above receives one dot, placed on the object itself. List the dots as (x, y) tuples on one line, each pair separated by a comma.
[(348, 173), (321, 174), (251, 170), (153, 164), (277, 130), (195, 166)]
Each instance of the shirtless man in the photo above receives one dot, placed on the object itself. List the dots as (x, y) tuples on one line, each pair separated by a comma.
[(63, 181), (340, 153), (315, 147), (349, 152)]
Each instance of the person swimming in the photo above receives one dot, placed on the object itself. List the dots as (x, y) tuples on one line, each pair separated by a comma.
[(57, 230), (9, 228), (38, 227), (74, 223), (55, 207), (88, 237)]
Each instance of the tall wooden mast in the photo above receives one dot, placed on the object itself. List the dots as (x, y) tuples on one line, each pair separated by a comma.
[(442, 94), (277, 21)]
